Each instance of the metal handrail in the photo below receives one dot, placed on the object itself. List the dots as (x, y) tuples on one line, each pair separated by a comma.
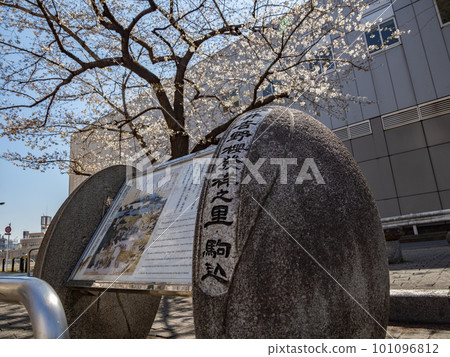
[(29, 261), (42, 303), (416, 219)]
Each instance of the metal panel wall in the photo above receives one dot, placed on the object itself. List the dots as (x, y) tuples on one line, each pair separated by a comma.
[(420, 203), (383, 84), (378, 174), (434, 45), (389, 208), (446, 34), (366, 88), (445, 199), (399, 4), (440, 158), (407, 166), (437, 130), (405, 138), (401, 79), (413, 173), (371, 147), (416, 59)]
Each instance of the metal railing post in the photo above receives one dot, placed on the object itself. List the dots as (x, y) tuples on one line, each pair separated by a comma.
[(28, 268), (42, 303)]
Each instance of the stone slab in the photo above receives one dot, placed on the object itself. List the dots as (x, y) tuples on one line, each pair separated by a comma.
[(308, 258), (420, 305), (394, 251), (98, 315)]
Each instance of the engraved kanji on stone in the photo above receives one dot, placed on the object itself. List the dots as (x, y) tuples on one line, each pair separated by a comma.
[(245, 124), (221, 195), (230, 161), (214, 248), (223, 248), (218, 216), (239, 135), (233, 149), (225, 180), (214, 274), (229, 165)]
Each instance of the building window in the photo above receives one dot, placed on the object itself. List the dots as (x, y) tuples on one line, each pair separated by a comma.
[(270, 89), (443, 7), (381, 36), (231, 99), (324, 61)]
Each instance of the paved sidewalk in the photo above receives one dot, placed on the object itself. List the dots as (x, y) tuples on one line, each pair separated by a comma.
[(427, 266), (175, 321), (14, 322)]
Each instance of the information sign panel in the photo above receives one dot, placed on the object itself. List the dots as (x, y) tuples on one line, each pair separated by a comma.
[(145, 241)]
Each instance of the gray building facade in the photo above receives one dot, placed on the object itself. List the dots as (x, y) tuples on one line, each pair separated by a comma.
[(402, 141)]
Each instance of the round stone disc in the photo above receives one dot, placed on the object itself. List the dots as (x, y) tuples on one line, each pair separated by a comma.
[(103, 315), (289, 242)]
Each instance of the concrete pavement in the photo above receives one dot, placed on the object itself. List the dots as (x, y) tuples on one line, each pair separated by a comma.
[(426, 269), (420, 285), (426, 265), (175, 321)]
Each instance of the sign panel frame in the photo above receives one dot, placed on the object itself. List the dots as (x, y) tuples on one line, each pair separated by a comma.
[(101, 267)]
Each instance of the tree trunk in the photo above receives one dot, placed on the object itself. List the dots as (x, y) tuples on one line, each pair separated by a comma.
[(179, 145)]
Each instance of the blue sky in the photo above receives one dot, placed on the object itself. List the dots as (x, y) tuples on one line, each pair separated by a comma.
[(28, 194)]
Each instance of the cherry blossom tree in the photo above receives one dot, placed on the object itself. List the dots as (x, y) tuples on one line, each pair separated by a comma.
[(163, 77)]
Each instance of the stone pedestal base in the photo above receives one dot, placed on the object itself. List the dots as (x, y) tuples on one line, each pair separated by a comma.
[(394, 251)]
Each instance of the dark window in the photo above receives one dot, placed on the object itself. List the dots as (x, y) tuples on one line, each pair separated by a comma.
[(373, 39), (271, 88), (387, 30), (268, 90), (444, 10), (381, 36)]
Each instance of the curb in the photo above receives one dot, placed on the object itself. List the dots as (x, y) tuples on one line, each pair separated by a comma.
[(420, 305)]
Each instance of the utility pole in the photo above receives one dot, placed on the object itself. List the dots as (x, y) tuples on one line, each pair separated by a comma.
[(8, 233)]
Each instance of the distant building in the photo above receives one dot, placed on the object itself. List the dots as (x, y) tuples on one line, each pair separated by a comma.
[(34, 240), (3, 243), (29, 241)]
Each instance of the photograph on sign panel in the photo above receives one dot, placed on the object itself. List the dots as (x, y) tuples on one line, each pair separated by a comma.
[(125, 240)]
